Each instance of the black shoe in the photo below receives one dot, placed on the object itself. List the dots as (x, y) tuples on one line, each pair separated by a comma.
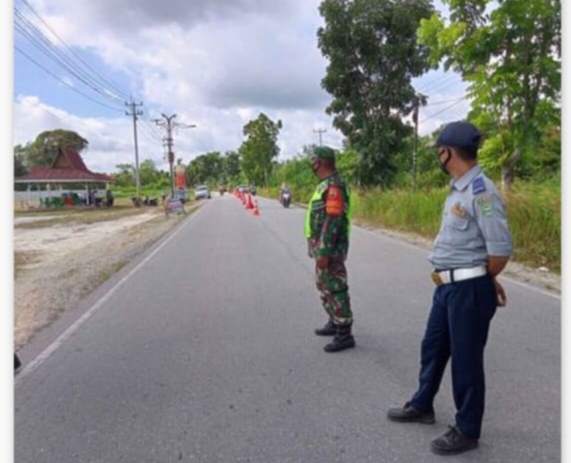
[(328, 329), (340, 343), (17, 363), (409, 414), (343, 339), (453, 442)]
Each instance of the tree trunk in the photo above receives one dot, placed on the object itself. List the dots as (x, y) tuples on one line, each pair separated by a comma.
[(508, 170)]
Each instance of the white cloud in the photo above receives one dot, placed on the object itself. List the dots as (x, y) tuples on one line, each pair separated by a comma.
[(216, 63)]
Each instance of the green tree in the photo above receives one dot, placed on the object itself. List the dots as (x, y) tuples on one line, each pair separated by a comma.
[(207, 168), (260, 148), (20, 161), (373, 54), (232, 169), (148, 172), (126, 175), (42, 151), (511, 58)]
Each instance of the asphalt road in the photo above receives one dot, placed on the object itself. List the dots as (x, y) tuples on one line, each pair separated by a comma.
[(203, 351)]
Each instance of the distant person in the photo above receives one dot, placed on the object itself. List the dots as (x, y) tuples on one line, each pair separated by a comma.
[(327, 227), (109, 198), (166, 204), (472, 248), (285, 195)]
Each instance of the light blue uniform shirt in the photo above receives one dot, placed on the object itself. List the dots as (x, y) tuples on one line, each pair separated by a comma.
[(474, 224)]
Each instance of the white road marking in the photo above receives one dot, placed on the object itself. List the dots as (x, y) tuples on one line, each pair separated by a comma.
[(44, 355)]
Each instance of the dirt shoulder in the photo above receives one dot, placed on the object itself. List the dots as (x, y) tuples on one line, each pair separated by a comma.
[(60, 259)]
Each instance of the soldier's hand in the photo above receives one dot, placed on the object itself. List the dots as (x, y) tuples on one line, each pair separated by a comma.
[(322, 263), (309, 249), (501, 297)]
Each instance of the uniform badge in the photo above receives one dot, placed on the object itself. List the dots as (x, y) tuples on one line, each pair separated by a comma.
[(478, 185), (486, 204), (458, 210)]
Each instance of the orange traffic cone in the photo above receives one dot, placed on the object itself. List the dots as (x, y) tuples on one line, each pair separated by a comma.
[(249, 203), (256, 209)]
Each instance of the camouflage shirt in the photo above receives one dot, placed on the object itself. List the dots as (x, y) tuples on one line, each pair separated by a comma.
[(328, 219)]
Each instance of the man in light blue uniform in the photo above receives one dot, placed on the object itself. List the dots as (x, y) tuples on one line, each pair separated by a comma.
[(472, 247)]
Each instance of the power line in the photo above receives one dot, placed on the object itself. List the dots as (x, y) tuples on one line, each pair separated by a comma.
[(103, 79), (149, 124), (444, 80), (37, 39), (149, 135), (442, 102), (65, 83), (442, 110), (447, 86), (434, 79)]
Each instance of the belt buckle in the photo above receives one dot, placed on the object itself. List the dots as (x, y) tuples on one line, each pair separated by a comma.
[(436, 278)]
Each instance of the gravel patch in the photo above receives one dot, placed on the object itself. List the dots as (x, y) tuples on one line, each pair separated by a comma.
[(58, 265)]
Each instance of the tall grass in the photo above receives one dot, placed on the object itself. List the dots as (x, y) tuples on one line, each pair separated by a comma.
[(533, 210), (534, 216), (417, 212)]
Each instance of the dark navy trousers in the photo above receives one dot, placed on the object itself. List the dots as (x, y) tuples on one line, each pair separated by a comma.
[(457, 328)]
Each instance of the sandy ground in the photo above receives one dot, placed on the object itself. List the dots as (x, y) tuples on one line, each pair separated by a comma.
[(59, 264)]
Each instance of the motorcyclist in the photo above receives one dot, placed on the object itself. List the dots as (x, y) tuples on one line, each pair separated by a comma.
[(284, 189)]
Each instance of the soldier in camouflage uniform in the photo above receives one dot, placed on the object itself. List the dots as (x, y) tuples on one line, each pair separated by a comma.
[(327, 228)]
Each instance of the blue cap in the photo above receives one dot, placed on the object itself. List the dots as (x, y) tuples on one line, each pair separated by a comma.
[(459, 134)]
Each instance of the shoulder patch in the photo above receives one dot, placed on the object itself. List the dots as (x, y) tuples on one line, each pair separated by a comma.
[(478, 185), (334, 201), (486, 203)]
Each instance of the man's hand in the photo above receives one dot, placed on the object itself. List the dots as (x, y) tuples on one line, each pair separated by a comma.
[(501, 297), (310, 249), (322, 263)]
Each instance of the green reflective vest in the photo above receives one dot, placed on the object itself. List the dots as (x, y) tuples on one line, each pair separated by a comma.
[(317, 196)]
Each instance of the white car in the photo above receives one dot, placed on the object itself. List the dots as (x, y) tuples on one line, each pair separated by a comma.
[(202, 192)]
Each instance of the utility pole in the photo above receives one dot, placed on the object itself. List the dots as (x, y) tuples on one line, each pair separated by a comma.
[(418, 100), (320, 131), (169, 125), (415, 120), (135, 112)]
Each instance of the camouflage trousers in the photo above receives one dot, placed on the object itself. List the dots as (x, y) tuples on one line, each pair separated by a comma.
[(332, 285)]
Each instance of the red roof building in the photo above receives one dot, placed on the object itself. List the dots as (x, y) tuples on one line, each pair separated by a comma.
[(67, 167)]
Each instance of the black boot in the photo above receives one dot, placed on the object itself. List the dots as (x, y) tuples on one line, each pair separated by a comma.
[(327, 330), (343, 339)]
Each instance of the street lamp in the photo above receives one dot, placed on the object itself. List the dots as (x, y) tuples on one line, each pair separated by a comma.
[(169, 126)]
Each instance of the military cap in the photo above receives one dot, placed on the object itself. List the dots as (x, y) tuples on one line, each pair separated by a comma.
[(459, 134), (323, 152)]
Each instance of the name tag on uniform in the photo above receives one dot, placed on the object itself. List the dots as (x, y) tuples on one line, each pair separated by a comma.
[(458, 210)]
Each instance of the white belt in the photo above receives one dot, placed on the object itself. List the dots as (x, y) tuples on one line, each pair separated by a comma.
[(459, 274)]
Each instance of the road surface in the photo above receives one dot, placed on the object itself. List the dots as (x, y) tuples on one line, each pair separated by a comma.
[(203, 351)]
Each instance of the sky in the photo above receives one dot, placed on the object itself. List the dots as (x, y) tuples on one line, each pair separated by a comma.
[(216, 64)]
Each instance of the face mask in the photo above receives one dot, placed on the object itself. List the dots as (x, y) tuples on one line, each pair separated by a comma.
[(443, 164), (315, 166)]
